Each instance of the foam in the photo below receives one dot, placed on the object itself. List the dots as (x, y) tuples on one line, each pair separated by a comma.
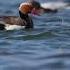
[(54, 5)]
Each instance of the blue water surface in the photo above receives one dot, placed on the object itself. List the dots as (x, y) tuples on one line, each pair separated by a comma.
[(46, 47)]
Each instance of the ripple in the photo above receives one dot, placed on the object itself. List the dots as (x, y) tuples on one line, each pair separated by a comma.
[(43, 35)]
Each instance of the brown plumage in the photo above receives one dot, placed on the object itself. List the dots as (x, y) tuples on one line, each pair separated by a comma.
[(7, 21), (12, 20)]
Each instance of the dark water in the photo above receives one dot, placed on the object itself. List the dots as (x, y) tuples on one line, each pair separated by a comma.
[(46, 47)]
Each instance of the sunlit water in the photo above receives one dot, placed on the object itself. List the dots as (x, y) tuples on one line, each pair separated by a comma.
[(46, 47)]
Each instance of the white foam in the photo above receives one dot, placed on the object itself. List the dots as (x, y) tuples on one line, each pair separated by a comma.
[(68, 8), (54, 5)]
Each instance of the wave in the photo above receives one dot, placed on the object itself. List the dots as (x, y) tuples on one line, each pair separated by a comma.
[(55, 5), (37, 36)]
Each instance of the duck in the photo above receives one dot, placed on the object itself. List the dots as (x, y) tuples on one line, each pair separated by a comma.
[(21, 21), (11, 23), (24, 20)]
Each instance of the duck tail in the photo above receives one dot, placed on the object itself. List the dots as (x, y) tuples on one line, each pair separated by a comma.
[(2, 27)]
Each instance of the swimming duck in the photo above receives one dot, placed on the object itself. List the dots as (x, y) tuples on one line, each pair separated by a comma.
[(11, 23), (24, 20), (21, 21)]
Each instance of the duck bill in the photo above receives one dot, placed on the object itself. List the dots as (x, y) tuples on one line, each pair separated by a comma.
[(36, 11)]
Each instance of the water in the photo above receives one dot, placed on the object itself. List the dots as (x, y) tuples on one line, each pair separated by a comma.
[(46, 47)]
